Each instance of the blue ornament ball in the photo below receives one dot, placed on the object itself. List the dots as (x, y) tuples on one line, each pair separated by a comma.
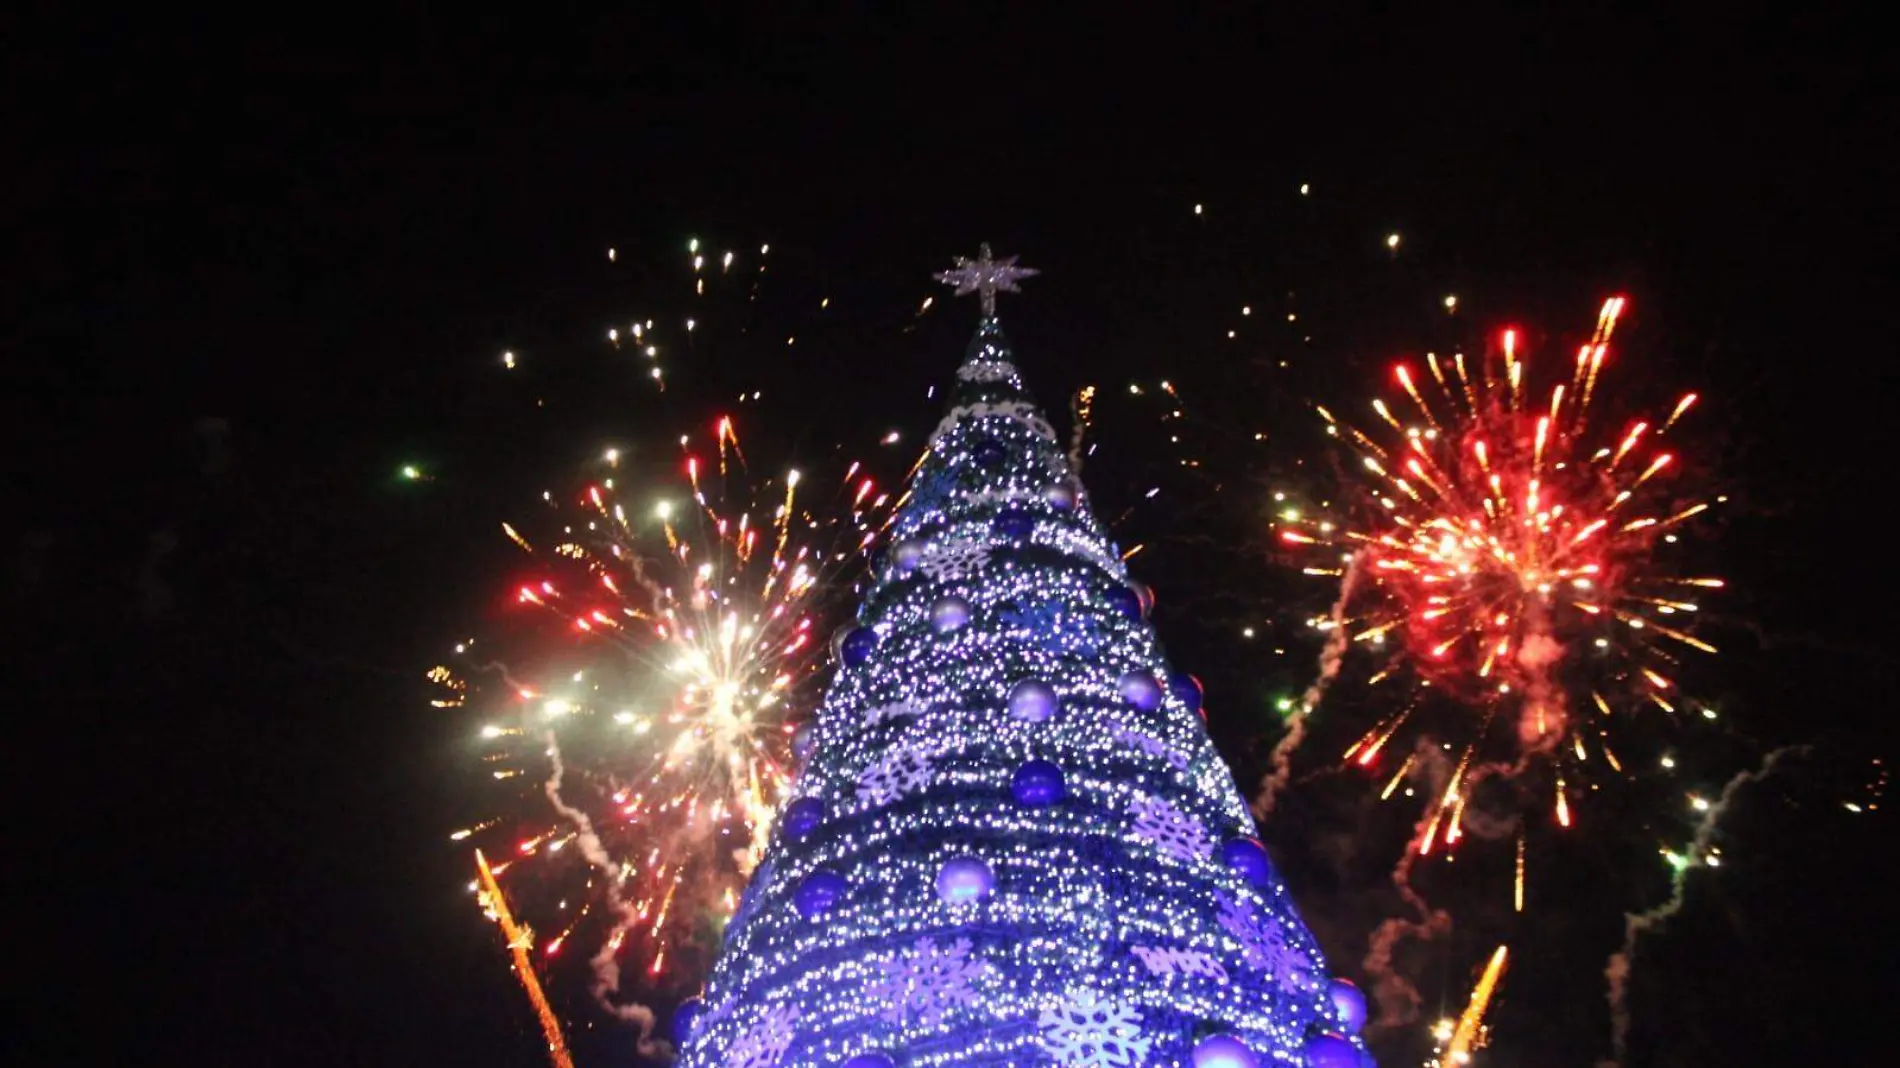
[(685, 1018), (1014, 524), (803, 817), (1349, 1005), (964, 880), (1223, 1051), (869, 1060), (857, 646), (1038, 783), (1331, 1051), (1126, 601), (817, 893), (949, 613), (1186, 689), (1247, 856), (1033, 701), (989, 452), (1060, 495), (906, 555), (1140, 689), (804, 740)]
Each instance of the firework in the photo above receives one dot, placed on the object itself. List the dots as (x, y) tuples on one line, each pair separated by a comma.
[(1509, 565), (520, 941), (1466, 1035), (640, 760)]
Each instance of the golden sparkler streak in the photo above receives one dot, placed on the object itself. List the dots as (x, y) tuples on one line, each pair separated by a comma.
[(520, 940), (1459, 1052)]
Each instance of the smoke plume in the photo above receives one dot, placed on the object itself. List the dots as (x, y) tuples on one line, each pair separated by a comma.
[(606, 965), (1331, 657), (1636, 924)]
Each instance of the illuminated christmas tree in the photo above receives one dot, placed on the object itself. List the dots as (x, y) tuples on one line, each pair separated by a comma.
[(1012, 842)]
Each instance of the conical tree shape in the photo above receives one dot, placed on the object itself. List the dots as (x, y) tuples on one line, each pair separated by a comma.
[(1013, 843)]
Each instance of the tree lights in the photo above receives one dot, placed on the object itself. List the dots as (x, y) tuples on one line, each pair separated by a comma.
[(1006, 848)]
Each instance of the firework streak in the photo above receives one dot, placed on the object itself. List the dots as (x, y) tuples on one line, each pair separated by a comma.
[(640, 762), (1509, 573), (495, 906), (1508, 563)]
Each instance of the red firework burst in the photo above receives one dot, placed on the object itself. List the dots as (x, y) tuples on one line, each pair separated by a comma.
[(1508, 556)]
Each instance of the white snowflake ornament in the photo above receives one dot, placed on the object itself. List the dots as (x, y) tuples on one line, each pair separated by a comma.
[(954, 561), (1171, 830), (895, 710), (767, 1041), (898, 772), (1166, 960), (927, 982), (1264, 945), (1087, 1032)]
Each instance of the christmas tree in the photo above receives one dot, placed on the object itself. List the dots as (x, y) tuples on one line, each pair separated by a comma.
[(1012, 842)]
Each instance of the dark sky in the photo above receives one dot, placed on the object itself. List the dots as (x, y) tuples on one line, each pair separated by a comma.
[(257, 261)]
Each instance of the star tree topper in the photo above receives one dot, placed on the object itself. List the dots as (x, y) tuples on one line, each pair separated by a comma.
[(986, 276)]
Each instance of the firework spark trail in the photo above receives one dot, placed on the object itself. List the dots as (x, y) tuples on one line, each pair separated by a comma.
[(606, 965), (1466, 1034), (1617, 971), (520, 941), (1331, 657)]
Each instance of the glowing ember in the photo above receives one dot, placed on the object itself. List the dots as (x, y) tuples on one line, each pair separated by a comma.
[(1509, 545)]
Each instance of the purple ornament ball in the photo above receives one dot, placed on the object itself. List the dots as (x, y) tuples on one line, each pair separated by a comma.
[(869, 1060), (1247, 856), (1125, 602), (964, 880), (1032, 701), (989, 452), (803, 817), (906, 555), (1060, 495), (949, 613), (856, 646), (1331, 1051), (685, 1018), (1186, 689), (817, 893), (1223, 1051), (1140, 689), (1349, 1005), (1038, 783)]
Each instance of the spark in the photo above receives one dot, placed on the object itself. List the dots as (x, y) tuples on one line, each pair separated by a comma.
[(1495, 557), (1466, 1033), (494, 904), (638, 790)]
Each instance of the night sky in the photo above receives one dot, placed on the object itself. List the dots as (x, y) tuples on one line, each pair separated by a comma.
[(258, 263)]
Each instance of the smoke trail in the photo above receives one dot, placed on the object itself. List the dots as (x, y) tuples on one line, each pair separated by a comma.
[(1397, 997), (1331, 657), (606, 967), (1636, 924)]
